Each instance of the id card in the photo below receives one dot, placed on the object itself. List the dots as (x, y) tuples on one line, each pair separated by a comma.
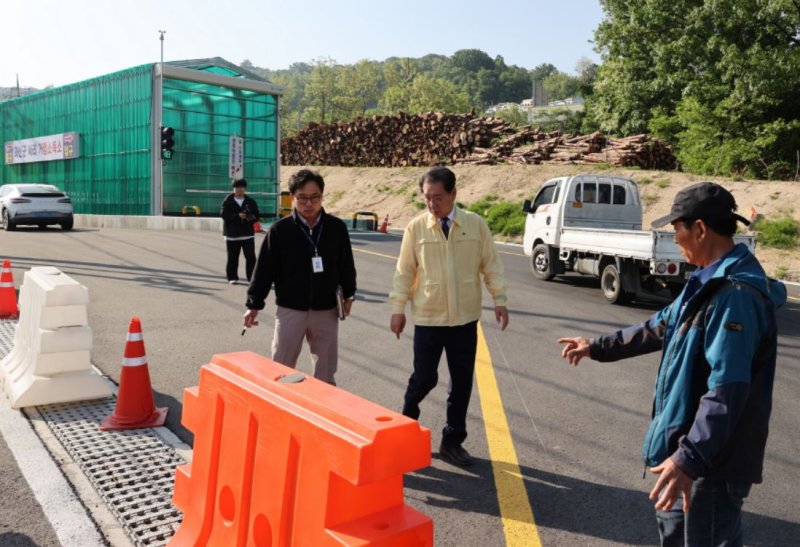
[(316, 264)]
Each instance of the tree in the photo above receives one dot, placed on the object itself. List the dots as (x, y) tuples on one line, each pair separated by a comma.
[(542, 71), (322, 90), (429, 94), (586, 70), (515, 85), (362, 87), (719, 78), (560, 86), (471, 60)]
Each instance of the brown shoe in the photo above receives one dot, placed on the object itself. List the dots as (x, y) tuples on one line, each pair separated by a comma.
[(456, 455)]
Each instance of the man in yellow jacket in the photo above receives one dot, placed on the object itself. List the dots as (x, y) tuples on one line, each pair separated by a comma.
[(445, 251)]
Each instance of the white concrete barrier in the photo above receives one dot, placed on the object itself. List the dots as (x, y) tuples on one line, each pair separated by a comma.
[(49, 362), (206, 224)]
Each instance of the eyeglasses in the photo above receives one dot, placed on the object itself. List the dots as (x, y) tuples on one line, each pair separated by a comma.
[(316, 198)]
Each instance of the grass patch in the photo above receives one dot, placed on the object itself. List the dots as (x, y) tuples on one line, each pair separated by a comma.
[(662, 183), (782, 233), (644, 181), (504, 217), (648, 199), (483, 205), (781, 272)]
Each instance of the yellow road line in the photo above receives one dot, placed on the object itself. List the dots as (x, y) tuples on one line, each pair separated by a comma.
[(512, 496), (515, 509), (374, 253)]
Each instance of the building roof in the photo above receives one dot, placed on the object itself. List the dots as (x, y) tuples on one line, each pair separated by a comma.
[(218, 65)]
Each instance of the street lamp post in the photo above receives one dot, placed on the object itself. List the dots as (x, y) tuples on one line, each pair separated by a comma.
[(162, 33)]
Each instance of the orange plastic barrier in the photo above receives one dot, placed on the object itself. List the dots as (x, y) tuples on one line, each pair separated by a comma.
[(8, 296), (284, 464)]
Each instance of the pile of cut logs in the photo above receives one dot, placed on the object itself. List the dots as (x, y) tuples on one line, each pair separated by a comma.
[(436, 138)]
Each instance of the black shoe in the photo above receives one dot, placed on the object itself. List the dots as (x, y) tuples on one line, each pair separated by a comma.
[(456, 455)]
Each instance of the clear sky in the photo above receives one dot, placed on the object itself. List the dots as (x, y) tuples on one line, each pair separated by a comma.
[(54, 42)]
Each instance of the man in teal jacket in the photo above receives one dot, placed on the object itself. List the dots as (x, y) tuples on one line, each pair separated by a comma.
[(713, 393)]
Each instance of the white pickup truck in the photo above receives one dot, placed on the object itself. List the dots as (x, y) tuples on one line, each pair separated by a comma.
[(592, 224)]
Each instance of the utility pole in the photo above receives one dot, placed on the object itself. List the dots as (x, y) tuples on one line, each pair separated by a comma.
[(162, 33)]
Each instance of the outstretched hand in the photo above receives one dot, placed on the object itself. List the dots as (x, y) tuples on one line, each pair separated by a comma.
[(575, 349)]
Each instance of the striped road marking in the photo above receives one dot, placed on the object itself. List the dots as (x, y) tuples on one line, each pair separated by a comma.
[(515, 509)]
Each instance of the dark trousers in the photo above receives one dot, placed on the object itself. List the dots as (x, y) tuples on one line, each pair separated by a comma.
[(714, 518), (248, 247), (459, 344)]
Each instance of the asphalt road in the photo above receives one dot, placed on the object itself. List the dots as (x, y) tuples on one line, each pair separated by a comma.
[(576, 432)]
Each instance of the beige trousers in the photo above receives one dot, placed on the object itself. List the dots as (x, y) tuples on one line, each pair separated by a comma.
[(320, 328)]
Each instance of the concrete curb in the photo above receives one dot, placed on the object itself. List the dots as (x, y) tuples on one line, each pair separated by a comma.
[(195, 224)]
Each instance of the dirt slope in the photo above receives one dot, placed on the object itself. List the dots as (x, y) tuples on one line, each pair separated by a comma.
[(394, 191)]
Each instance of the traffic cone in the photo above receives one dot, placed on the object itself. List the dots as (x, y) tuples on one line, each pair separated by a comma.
[(135, 408), (8, 296), (384, 225)]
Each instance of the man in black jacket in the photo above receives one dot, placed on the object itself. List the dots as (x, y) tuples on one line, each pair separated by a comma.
[(239, 212), (307, 256)]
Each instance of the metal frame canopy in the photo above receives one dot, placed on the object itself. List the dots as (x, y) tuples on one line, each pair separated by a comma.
[(217, 110), (99, 139)]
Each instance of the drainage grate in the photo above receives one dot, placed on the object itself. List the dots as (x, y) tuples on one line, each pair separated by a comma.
[(7, 328), (132, 470)]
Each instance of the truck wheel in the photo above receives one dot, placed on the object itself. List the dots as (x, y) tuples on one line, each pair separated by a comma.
[(611, 285), (540, 262)]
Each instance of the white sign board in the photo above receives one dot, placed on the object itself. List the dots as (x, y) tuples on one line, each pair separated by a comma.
[(236, 157), (63, 146)]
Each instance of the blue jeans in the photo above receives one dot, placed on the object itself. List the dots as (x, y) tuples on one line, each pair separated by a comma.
[(714, 519)]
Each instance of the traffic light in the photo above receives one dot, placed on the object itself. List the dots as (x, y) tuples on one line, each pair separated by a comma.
[(166, 142)]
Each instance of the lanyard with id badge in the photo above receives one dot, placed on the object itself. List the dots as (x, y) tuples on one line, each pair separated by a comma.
[(316, 260)]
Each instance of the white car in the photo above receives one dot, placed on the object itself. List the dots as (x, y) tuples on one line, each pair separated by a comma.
[(34, 204)]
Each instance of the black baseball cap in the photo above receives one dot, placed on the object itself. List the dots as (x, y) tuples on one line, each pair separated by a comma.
[(705, 201)]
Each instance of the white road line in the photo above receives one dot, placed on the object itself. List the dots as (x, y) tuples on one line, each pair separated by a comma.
[(61, 507)]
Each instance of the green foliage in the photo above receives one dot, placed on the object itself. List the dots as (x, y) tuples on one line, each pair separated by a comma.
[(782, 233), (325, 91), (482, 206), (513, 115), (662, 183), (718, 79), (504, 217), (561, 86), (434, 94), (781, 272)]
